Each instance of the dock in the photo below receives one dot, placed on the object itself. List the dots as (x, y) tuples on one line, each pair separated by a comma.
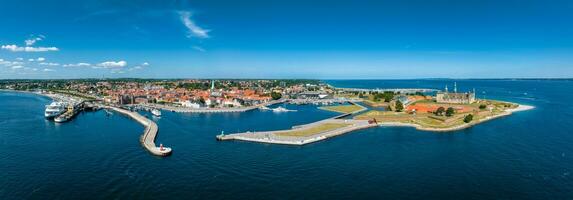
[(70, 113), (210, 110), (147, 139)]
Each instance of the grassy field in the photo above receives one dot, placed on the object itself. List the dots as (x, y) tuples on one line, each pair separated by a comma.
[(314, 130), (342, 109)]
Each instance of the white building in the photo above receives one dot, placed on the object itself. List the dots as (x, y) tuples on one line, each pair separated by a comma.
[(190, 104)]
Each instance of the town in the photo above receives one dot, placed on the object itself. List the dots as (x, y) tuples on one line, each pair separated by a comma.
[(191, 94), (422, 108)]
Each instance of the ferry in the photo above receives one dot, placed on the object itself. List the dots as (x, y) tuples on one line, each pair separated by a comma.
[(54, 109), (156, 112)]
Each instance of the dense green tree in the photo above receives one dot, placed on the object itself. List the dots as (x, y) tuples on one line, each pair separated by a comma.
[(276, 95), (468, 118), (399, 106), (482, 106), (450, 111)]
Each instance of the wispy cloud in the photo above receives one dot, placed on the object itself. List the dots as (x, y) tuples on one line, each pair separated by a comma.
[(193, 28), (49, 64), (198, 48), (34, 39), (78, 65), (16, 48), (48, 70)]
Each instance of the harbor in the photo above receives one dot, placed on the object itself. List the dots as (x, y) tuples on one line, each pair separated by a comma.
[(64, 108), (307, 133), (209, 110)]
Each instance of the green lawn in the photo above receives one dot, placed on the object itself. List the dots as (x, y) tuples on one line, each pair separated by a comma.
[(314, 130), (342, 109)]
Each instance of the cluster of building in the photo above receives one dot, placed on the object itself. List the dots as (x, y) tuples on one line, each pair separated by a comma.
[(192, 98), (184, 93)]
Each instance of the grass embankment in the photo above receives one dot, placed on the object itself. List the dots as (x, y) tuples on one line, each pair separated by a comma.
[(342, 109), (313, 130), (430, 120)]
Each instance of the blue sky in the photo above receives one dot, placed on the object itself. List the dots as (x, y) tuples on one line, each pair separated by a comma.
[(286, 39)]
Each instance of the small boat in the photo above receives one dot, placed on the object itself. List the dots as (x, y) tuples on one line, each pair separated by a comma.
[(282, 109), (156, 112), (264, 108)]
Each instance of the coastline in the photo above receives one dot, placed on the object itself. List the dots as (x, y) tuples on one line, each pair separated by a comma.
[(27, 92), (463, 126), (271, 137), (210, 110)]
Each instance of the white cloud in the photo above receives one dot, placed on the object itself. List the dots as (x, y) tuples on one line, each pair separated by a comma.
[(16, 48), (112, 64), (33, 40), (194, 30), (9, 63), (145, 64), (17, 67), (78, 65), (48, 70), (20, 59), (49, 64), (40, 59), (31, 60)]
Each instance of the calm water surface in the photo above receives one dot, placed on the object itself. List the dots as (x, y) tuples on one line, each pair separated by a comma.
[(524, 156)]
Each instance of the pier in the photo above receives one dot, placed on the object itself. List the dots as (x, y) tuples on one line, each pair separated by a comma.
[(149, 134), (306, 133), (303, 134)]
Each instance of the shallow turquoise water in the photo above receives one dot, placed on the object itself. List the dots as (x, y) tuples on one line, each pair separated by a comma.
[(524, 156)]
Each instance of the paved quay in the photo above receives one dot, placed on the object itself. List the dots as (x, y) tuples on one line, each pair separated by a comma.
[(149, 134), (211, 110), (273, 137)]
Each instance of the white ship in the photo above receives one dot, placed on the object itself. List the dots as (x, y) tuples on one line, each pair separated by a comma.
[(54, 109), (282, 109), (156, 112)]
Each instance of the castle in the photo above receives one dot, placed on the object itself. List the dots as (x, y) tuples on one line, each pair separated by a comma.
[(455, 97)]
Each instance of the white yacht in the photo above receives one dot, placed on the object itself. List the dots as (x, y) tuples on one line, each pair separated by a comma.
[(282, 109), (54, 109), (156, 112)]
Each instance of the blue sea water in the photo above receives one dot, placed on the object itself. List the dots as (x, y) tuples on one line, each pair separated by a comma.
[(527, 155)]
